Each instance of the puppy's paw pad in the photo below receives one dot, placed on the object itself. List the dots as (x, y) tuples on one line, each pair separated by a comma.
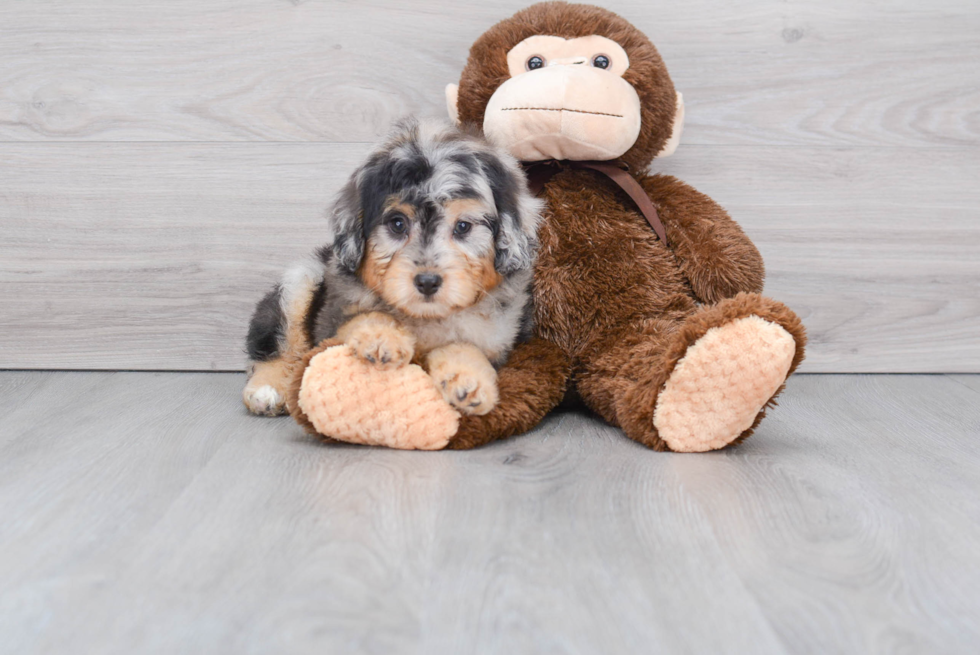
[(469, 392), (384, 346), (264, 400)]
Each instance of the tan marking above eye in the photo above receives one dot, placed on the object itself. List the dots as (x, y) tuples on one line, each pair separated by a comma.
[(394, 203), (465, 207)]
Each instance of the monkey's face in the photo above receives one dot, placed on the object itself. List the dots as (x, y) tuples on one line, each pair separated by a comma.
[(569, 81), (565, 99), (429, 259)]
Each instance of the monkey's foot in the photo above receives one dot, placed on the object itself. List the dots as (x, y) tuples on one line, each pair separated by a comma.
[(721, 384), (344, 397)]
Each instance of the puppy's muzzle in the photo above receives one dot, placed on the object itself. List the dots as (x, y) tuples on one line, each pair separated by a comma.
[(428, 283)]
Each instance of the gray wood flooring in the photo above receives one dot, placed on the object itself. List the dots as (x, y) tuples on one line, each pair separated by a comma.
[(161, 162), (148, 513)]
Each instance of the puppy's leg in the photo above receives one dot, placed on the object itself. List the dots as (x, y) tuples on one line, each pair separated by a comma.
[(265, 389), (465, 376), (531, 384), (278, 337), (378, 338)]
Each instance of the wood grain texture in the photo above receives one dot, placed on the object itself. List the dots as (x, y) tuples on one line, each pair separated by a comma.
[(970, 381), (162, 162), (760, 71), (151, 256), (146, 512)]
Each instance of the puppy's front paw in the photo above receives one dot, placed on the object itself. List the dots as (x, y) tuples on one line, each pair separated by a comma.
[(466, 379), (470, 392), (385, 345)]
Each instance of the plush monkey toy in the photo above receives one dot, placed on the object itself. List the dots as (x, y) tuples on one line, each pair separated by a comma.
[(669, 340)]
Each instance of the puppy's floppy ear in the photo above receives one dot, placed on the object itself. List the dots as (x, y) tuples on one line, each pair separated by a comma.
[(347, 226), (518, 213), (517, 240)]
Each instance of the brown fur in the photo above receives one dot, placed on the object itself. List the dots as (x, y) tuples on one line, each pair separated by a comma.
[(483, 274), (387, 273), (486, 68), (531, 384), (665, 349), (373, 269), (615, 308), (480, 272)]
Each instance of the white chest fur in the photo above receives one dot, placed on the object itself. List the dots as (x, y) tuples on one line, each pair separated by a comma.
[(486, 325)]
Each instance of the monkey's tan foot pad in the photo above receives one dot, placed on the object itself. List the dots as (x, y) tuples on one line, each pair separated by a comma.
[(349, 399), (722, 383)]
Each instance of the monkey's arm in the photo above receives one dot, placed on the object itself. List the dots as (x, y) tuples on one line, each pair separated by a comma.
[(713, 251), (531, 384)]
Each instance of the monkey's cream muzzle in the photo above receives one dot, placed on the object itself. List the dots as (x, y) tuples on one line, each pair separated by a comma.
[(564, 111), (569, 104)]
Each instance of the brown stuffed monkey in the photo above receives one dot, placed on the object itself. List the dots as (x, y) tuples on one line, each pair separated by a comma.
[(670, 341)]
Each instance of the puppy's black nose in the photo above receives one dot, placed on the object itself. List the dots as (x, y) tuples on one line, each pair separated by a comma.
[(428, 283)]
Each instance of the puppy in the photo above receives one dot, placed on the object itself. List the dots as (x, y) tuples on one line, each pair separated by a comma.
[(432, 243)]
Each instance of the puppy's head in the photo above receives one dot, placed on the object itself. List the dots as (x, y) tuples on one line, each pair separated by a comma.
[(434, 220)]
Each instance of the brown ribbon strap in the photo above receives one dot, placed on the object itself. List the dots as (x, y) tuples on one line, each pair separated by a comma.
[(538, 174)]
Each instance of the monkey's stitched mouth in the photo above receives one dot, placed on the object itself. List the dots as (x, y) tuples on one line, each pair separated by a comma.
[(574, 111)]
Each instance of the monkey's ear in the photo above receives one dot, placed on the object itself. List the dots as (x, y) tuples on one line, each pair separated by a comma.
[(675, 133), (452, 102), (347, 226)]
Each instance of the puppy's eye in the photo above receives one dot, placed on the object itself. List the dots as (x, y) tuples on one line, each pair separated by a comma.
[(601, 61), (398, 224), (462, 227), (534, 63)]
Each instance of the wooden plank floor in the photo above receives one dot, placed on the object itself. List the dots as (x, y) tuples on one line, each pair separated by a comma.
[(147, 513)]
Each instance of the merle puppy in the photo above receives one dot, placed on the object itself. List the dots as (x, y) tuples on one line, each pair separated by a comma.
[(433, 240)]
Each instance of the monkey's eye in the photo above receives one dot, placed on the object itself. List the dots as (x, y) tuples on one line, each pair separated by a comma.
[(600, 61), (534, 63), (397, 224), (462, 227)]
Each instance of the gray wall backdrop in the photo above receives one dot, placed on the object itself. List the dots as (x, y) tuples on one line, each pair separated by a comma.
[(161, 162)]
